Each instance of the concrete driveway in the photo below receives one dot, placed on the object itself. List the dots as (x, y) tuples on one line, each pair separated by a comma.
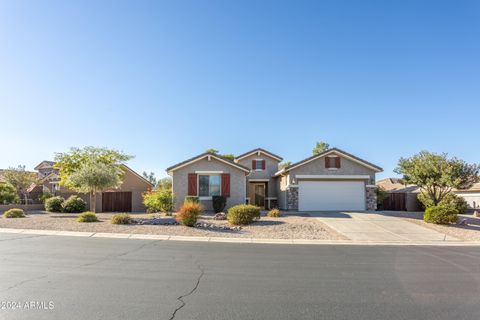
[(378, 227)]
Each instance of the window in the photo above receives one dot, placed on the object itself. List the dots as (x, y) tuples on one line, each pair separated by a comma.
[(258, 164), (208, 185), (332, 162)]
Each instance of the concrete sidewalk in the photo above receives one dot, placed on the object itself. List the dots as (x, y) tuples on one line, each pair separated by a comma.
[(376, 227), (360, 240)]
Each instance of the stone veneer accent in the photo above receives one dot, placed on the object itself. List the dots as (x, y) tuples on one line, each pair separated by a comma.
[(292, 198), (371, 198)]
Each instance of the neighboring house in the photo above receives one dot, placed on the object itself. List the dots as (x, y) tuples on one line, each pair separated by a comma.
[(126, 198), (331, 180), (471, 195)]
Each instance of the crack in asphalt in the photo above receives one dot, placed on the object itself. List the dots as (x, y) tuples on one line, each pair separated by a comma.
[(180, 298)]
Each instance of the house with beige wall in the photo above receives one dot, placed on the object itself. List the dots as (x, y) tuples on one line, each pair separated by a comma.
[(331, 180)]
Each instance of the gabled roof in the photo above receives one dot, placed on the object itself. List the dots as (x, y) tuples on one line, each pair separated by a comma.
[(205, 155), (137, 175), (258, 150), (44, 163), (327, 152)]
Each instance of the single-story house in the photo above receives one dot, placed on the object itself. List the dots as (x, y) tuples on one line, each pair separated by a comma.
[(331, 180), (126, 198)]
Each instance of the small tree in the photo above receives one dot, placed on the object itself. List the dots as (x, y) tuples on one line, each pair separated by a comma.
[(436, 175), (164, 183), (93, 177), (20, 179), (91, 170), (150, 177), (8, 194), (320, 146), (228, 156), (284, 164)]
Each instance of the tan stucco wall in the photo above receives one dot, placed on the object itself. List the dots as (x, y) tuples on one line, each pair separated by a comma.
[(237, 182), (271, 167), (317, 167)]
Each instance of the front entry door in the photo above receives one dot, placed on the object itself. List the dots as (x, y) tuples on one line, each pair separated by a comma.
[(260, 195)]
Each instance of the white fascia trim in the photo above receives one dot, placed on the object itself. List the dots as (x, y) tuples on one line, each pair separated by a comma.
[(258, 180), (333, 151), (258, 153), (208, 172), (279, 172), (371, 186), (332, 177), (204, 198), (210, 156)]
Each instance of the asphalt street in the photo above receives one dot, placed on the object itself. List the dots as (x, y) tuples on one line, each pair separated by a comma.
[(53, 277)]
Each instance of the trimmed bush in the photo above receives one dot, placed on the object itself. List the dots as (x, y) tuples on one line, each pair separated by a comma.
[(8, 193), (54, 204), (159, 201), (274, 213), (188, 213), (121, 218), (243, 214), (450, 200), (45, 196), (14, 213), (87, 217), (74, 204), (219, 203), (441, 215), (190, 199)]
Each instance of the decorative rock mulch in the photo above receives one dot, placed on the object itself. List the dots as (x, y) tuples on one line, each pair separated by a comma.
[(156, 221), (211, 226)]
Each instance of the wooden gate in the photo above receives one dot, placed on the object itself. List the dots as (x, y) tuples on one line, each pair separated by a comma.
[(117, 202), (395, 202)]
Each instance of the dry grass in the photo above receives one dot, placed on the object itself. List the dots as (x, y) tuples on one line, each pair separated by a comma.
[(285, 227)]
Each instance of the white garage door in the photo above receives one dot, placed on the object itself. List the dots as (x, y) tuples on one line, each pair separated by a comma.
[(473, 199), (331, 195)]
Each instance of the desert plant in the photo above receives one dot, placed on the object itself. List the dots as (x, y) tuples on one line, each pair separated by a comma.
[(87, 217), (8, 193), (121, 218), (441, 215), (54, 204), (14, 213), (74, 204), (189, 199), (188, 213), (45, 196), (159, 201), (451, 200), (274, 213), (219, 203), (243, 214)]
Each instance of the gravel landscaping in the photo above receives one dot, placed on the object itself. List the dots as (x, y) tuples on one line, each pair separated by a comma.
[(285, 227), (469, 231)]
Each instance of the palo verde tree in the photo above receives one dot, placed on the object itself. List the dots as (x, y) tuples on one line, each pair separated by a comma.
[(91, 170), (320, 146), (436, 174), (228, 156)]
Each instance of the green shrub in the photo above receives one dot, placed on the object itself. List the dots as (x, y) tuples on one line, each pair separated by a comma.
[(159, 200), (14, 213), (243, 214), (87, 217), (274, 213), (188, 213), (440, 215), (121, 218), (54, 204), (45, 196), (189, 199), (8, 194), (219, 203), (451, 200), (74, 204)]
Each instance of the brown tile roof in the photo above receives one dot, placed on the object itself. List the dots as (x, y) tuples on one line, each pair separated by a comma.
[(205, 154), (259, 150)]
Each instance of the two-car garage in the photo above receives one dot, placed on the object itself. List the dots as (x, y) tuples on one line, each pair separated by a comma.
[(314, 195)]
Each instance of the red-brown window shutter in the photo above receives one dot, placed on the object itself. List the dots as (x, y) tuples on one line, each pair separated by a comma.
[(192, 184), (327, 162), (226, 184), (254, 164), (263, 164), (337, 162)]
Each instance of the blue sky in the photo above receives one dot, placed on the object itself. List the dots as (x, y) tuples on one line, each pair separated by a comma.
[(165, 80)]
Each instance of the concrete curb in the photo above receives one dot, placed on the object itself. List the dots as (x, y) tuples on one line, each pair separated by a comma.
[(234, 240)]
